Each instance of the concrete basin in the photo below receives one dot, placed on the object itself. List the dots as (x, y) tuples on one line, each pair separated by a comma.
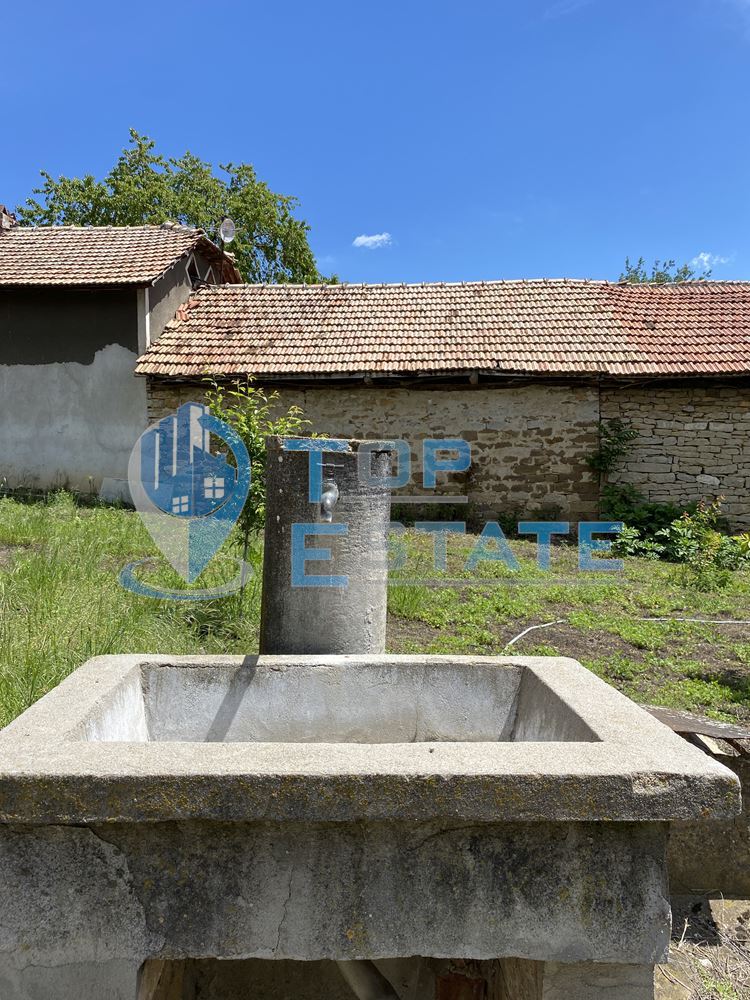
[(348, 738), (337, 807)]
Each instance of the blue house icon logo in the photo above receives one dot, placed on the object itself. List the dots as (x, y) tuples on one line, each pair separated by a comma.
[(188, 497), (178, 471)]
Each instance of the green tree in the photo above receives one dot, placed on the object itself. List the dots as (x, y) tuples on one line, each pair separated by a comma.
[(146, 187), (662, 272)]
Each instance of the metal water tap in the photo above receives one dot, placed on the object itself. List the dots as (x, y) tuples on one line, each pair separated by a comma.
[(328, 499)]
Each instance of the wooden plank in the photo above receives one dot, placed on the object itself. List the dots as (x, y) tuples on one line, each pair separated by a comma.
[(162, 980), (516, 979), (687, 723)]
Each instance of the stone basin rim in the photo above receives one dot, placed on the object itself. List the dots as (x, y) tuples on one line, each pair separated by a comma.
[(633, 770)]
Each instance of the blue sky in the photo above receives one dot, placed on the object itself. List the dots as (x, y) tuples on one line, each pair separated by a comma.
[(545, 138)]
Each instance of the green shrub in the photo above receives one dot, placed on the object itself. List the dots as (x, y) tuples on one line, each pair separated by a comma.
[(623, 502), (708, 556), (614, 443), (734, 551), (254, 415), (690, 537), (630, 543)]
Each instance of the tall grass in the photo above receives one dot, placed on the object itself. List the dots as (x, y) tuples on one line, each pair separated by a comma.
[(61, 602)]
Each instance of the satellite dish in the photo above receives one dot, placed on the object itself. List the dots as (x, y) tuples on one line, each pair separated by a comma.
[(227, 230)]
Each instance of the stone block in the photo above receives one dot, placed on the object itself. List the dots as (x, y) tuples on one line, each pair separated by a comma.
[(707, 857)]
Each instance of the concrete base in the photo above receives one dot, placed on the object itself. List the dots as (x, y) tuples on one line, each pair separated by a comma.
[(520, 980), (144, 739), (411, 979), (120, 894), (710, 856), (156, 810), (114, 979)]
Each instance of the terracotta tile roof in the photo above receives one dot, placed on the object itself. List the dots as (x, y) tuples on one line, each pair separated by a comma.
[(99, 255), (550, 327)]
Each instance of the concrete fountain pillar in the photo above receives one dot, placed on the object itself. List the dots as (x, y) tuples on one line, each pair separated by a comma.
[(325, 572)]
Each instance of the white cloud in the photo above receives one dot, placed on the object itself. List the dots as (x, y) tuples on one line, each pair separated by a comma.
[(373, 242), (706, 261)]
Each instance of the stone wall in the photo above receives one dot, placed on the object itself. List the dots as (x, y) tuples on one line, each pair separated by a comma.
[(530, 441), (694, 442)]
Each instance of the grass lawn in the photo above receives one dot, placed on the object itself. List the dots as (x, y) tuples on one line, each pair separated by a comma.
[(60, 603), (688, 665)]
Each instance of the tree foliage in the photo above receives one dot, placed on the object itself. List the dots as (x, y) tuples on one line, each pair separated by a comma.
[(146, 187), (662, 272), (255, 414), (615, 438)]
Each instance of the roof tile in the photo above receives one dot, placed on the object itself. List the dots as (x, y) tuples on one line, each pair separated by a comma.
[(100, 255), (562, 327)]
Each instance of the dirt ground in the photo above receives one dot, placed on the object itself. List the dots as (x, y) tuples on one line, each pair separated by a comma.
[(710, 951)]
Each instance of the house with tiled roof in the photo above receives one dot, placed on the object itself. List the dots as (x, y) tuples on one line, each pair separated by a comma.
[(526, 371), (78, 305), (103, 329)]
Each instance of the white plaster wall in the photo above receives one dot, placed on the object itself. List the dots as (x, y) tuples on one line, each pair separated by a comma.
[(71, 424)]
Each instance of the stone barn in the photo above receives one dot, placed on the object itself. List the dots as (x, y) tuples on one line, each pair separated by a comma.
[(523, 370)]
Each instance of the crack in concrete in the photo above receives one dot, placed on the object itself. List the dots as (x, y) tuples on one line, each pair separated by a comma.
[(448, 831), (283, 911), (115, 850)]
